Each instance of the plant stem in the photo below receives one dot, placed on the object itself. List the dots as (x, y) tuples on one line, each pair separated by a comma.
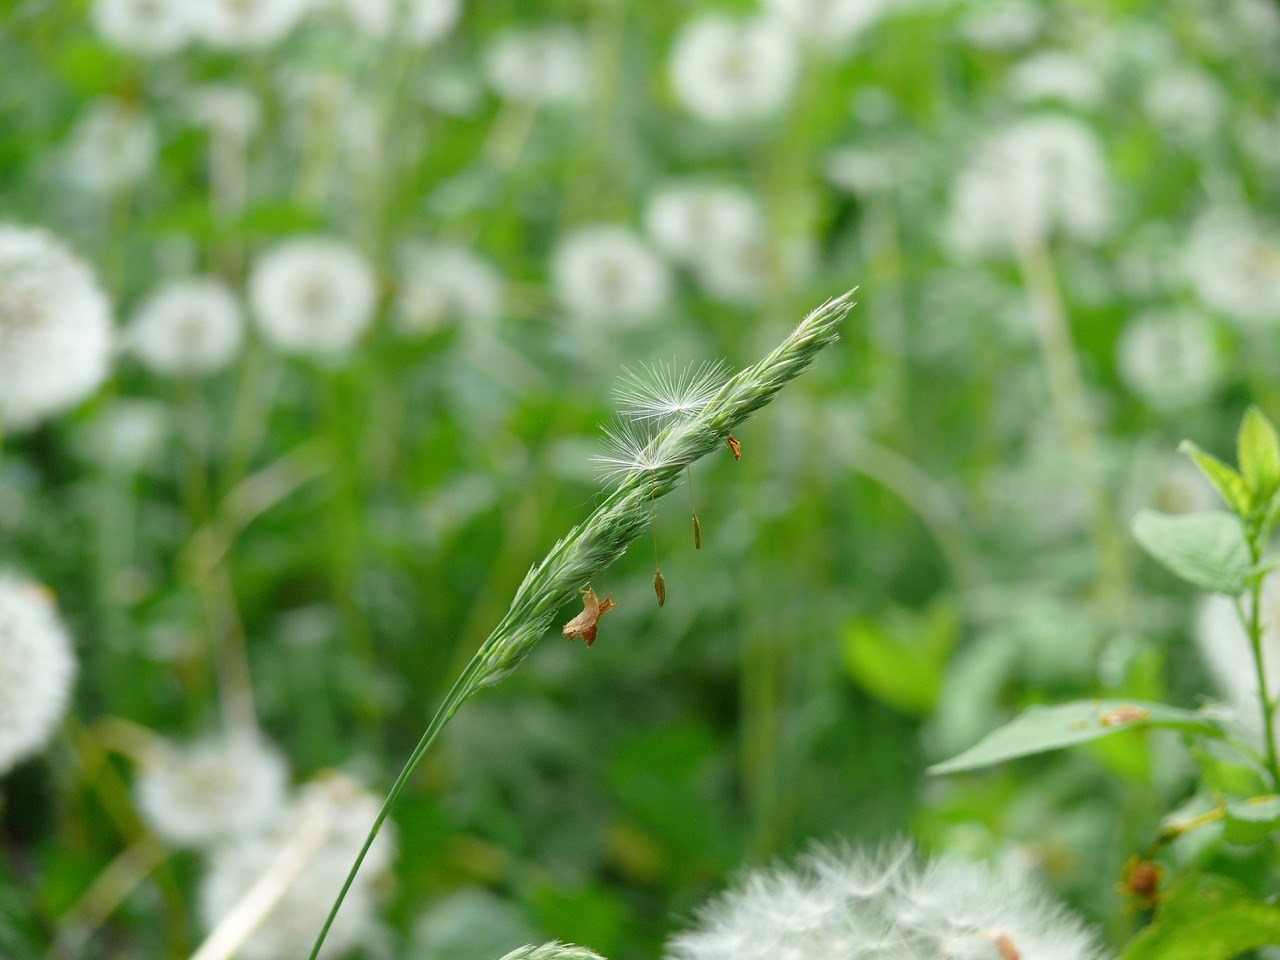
[(1254, 628)]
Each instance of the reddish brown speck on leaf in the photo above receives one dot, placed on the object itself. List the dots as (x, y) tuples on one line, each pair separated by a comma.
[(1121, 715), (734, 445), (584, 624), (1140, 882)]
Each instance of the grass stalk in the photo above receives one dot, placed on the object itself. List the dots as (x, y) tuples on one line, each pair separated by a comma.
[(593, 545)]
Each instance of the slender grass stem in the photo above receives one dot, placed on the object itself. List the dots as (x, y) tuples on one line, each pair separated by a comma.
[(1253, 625), (619, 521)]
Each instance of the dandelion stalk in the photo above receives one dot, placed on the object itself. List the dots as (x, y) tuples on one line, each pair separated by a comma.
[(596, 543)]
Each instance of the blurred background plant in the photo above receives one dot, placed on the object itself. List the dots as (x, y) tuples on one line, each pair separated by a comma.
[(310, 311)]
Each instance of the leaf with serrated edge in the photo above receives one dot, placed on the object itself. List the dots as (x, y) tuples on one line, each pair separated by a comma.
[(1229, 484), (1040, 729), (1206, 549)]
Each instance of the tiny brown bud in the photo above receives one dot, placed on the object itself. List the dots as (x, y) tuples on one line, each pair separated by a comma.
[(659, 587)]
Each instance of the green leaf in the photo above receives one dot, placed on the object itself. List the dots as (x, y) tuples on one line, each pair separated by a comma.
[(1040, 729), (1229, 484), (901, 659), (1208, 934), (1222, 776), (1252, 820), (1205, 549), (1259, 456)]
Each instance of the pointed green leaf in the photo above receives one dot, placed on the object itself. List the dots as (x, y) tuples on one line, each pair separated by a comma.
[(1229, 484), (1259, 456), (901, 658), (1250, 821), (1040, 729), (1210, 935), (1205, 549)]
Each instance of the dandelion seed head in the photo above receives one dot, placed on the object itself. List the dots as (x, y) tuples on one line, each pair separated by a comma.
[(1170, 358), (150, 28), (416, 23), (608, 273), (1055, 76), (725, 69), (37, 669), (192, 327), (289, 930), (213, 790), (313, 295), (845, 906), (686, 220), (540, 66), (229, 109), (1186, 103), (1233, 265), (112, 147), (831, 23), (245, 24), (1001, 24), (1039, 176), (55, 328), (440, 283)]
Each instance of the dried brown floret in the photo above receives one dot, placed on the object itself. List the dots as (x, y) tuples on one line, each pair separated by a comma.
[(584, 624)]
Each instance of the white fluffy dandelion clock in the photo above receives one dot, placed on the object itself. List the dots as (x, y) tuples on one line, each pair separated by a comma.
[(725, 69), (416, 23), (1170, 358), (686, 220), (149, 28), (313, 295), (55, 328), (546, 65), (211, 791), (245, 24), (847, 906), (440, 284), (337, 812), (37, 669), (609, 273), (190, 328), (112, 147)]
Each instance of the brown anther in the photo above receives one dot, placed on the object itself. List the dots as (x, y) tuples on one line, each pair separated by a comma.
[(697, 533), (734, 445), (659, 587)]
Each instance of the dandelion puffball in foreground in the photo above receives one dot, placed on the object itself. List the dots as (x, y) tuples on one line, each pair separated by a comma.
[(55, 328), (191, 328), (37, 668), (213, 790), (846, 906), (313, 295)]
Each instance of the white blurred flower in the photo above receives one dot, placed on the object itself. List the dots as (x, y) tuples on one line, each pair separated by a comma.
[(686, 220), (213, 790), (846, 905), (147, 27), (193, 327), (1039, 176), (1052, 75), (725, 69), (1180, 487), (1187, 104), (128, 434), (344, 812), (608, 273), (544, 65), (245, 24), (737, 271), (112, 147), (313, 295), (55, 328), (1235, 268), (1170, 358), (862, 171), (37, 669), (828, 22), (441, 283), (230, 109), (1224, 647), (416, 23), (1001, 24)]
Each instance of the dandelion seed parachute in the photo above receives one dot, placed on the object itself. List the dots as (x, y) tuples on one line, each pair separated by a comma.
[(37, 669), (662, 392), (55, 328)]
